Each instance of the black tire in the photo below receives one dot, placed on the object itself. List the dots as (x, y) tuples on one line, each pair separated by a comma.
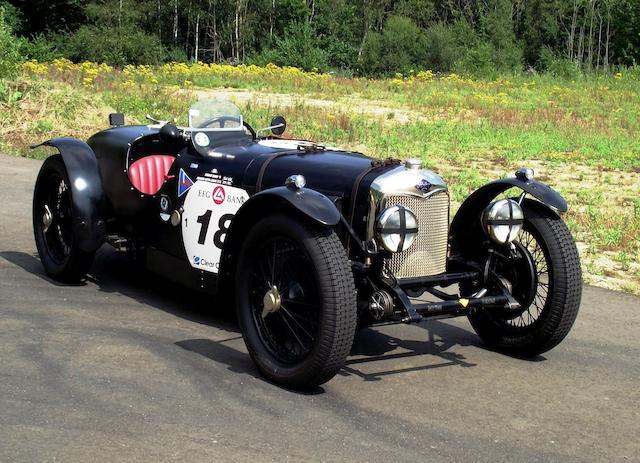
[(306, 342), (57, 245), (549, 313)]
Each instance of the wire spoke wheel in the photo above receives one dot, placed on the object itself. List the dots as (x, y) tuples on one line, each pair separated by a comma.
[(296, 300), (544, 277), (55, 212), (530, 281), (288, 326)]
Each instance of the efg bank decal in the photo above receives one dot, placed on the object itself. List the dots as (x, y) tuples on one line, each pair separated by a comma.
[(219, 195)]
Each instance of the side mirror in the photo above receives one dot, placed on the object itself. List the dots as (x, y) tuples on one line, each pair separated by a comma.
[(278, 125), (116, 119), (169, 133)]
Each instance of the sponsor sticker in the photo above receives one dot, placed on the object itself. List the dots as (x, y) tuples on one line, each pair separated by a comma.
[(215, 177), (165, 204), (184, 183)]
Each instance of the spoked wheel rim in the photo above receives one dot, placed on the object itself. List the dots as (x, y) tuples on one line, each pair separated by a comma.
[(54, 211), (284, 299), (530, 281)]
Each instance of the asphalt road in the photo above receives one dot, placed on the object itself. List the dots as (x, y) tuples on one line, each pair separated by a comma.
[(130, 368)]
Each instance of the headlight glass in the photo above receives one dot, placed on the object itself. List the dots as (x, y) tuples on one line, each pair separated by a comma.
[(396, 228), (502, 220)]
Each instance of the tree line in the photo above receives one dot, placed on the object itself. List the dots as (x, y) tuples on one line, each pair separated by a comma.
[(364, 37)]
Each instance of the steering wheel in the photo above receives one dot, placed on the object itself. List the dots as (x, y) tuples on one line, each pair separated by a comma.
[(222, 121)]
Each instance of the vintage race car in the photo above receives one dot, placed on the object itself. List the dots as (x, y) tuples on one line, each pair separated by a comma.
[(308, 241)]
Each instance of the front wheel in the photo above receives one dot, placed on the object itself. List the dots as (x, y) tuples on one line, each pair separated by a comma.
[(296, 301), (546, 281)]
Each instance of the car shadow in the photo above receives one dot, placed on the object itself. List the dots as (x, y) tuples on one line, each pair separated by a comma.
[(31, 264), (237, 361), (113, 272), (371, 345)]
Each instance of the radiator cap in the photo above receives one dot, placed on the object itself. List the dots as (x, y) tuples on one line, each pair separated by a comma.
[(413, 164)]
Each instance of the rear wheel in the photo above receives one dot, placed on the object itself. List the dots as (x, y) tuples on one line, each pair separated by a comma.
[(546, 281), (53, 224), (296, 301)]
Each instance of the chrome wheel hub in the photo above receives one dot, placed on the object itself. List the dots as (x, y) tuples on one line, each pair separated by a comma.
[(47, 218), (271, 301)]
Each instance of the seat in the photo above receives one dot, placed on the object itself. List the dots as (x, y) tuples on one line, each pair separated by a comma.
[(148, 173)]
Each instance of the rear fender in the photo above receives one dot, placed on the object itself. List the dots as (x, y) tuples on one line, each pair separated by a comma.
[(465, 228), (86, 191)]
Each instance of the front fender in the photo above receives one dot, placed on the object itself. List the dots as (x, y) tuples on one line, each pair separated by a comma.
[(311, 203), (86, 190), (465, 225)]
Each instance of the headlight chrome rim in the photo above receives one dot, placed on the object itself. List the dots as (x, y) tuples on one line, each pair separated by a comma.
[(396, 228), (502, 220)]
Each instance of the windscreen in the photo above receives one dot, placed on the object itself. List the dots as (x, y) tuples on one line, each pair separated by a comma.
[(215, 115), (211, 121)]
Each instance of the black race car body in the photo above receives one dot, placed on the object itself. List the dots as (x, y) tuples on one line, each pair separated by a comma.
[(237, 167), (189, 200)]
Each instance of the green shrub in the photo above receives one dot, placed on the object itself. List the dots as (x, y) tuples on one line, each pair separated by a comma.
[(497, 30), (341, 55), (298, 47), (40, 48), (337, 26), (558, 66), (483, 61), (13, 17), (401, 47), (175, 54), (442, 50), (491, 48), (372, 62), (100, 44), (9, 53), (266, 56), (477, 60)]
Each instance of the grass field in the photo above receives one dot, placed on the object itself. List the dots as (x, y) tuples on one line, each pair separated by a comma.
[(581, 137)]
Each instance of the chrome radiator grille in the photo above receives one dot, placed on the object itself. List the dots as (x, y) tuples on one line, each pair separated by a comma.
[(428, 254)]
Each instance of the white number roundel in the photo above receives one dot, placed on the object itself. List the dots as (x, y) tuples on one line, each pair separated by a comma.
[(208, 210), (202, 139)]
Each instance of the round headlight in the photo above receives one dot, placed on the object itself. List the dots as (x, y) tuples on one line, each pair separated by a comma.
[(396, 228), (502, 220)]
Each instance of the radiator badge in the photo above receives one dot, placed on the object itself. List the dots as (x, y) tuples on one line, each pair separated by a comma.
[(424, 186)]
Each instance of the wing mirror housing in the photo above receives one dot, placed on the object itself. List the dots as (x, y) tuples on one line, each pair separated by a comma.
[(278, 125), (116, 119)]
